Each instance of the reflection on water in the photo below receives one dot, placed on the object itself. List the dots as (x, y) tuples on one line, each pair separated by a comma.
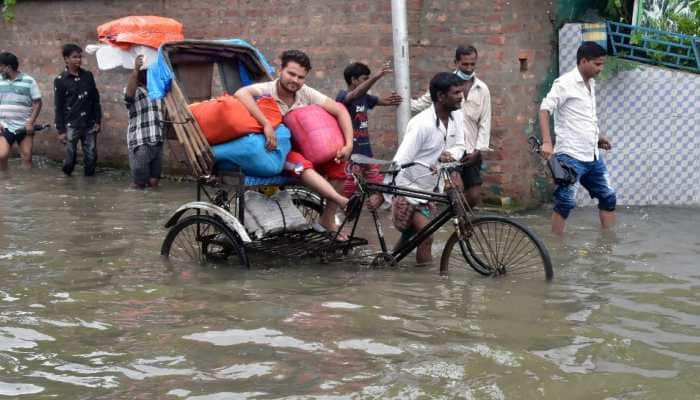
[(89, 310)]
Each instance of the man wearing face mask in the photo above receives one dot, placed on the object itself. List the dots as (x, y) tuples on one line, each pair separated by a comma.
[(476, 108)]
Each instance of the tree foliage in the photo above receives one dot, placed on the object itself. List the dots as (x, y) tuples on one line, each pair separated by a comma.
[(8, 10)]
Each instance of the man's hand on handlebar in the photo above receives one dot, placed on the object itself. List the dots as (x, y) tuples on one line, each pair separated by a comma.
[(446, 157), (472, 157)]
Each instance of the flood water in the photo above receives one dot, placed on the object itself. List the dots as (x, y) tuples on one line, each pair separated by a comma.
[(89, 310)]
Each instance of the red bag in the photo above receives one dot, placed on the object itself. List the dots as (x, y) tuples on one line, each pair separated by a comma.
[(149, 31), (225, 118), (315, 133)]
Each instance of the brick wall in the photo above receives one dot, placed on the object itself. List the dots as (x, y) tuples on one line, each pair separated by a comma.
[(334, 33)]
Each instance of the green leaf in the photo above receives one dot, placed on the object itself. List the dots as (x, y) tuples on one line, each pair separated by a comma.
[(8, 10)]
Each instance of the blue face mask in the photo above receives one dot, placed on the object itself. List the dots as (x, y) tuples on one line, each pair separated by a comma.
[(464, 76)]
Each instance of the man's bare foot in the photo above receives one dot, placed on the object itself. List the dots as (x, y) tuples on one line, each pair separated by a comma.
[(333, 229)]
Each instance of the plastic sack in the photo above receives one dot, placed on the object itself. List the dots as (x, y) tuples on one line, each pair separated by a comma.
[(315, 133), (249, 154), (110, 57), (149, 31), (269, 215), (225, 118)]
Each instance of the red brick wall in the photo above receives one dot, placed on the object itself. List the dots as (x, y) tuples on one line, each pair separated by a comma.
[(334, 33)]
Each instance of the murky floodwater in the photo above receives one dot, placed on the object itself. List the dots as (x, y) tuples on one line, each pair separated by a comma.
[(89, 310)]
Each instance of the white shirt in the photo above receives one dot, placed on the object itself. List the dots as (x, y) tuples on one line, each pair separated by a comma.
[(425, 139), (476, 109), (575, 118)]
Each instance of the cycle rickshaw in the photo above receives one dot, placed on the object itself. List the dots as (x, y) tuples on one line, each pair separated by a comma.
[(212, 229)]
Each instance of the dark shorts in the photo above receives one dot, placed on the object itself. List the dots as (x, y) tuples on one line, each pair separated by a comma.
[(471, 174), (145, 162), (13, 137)]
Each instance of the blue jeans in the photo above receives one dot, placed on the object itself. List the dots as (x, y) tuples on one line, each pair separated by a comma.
[(593, 175), (88, 140)]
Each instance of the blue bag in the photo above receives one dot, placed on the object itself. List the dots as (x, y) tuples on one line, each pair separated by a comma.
[(249, 153)]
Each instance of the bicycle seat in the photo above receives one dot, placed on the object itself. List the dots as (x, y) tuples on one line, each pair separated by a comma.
[(362, 159)]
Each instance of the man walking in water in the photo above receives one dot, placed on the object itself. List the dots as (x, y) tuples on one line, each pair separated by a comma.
[(572, 101)]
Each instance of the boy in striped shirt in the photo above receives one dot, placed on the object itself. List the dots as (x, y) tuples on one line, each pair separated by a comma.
[(20, 104)]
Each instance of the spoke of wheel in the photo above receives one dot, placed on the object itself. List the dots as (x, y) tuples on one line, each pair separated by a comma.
[(197, 241), (516, 247), (522, 244), (488, 254), (187, 245), (493, 244), (533, 262), (517, 257), (509, 241), (500, 245)]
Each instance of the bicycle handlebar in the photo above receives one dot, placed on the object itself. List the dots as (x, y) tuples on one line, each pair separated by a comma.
[(535, 144)]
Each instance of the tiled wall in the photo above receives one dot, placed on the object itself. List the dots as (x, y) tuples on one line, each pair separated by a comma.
[(652, 117)]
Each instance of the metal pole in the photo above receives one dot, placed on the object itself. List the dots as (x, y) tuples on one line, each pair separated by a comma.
[(401, 70)]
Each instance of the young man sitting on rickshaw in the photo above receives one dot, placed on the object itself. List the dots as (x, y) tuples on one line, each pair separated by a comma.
[(290, 93)]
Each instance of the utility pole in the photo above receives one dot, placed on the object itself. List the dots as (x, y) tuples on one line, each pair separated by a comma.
[(401, 69)]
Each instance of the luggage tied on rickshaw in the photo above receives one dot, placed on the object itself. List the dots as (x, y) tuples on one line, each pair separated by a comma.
[(124, 39), (271, 215)]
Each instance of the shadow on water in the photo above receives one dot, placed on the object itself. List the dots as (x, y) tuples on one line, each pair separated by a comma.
[(89, 309)]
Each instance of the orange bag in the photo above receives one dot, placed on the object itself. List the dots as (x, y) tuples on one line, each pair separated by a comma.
[(149, 31), (225, 118)]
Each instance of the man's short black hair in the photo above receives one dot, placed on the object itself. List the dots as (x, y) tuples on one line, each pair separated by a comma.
[(9, 59), (296, 56), (355, 70), (465, 51), (441, 84), (71, 48), (589, 51)]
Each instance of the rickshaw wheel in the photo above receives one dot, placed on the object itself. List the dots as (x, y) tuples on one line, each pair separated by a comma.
[(202, 239)]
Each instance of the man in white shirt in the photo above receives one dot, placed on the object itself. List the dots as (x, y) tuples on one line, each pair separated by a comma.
[(572, 101), (476, 111), (290, 93), (435, 134)]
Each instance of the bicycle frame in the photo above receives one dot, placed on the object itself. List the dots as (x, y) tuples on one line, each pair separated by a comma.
[(405, 248)]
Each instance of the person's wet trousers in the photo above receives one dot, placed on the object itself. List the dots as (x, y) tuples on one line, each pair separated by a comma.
[(88, 142)]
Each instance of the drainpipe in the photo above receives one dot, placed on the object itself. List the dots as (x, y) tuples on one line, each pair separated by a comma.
[(401, 71)]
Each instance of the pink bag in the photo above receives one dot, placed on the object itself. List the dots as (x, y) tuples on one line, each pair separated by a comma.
[(315, 133)]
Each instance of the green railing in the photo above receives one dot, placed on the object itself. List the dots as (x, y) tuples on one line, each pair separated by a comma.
[(653, 46)]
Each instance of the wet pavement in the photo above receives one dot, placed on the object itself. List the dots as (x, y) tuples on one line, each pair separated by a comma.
[(89, 310)]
